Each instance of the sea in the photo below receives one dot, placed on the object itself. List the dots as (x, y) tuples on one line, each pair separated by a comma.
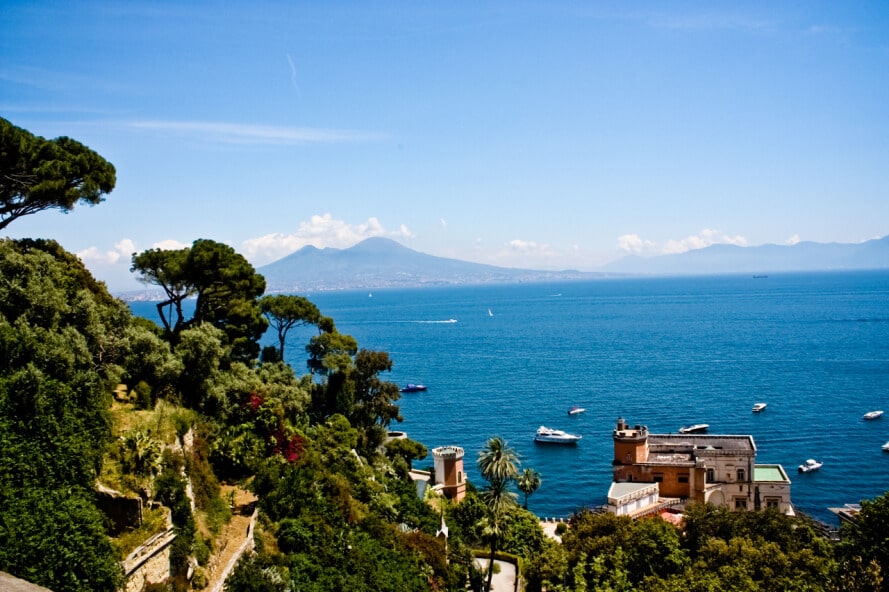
[(502, 360)]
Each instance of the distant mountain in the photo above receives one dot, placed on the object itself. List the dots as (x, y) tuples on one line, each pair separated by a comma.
[(804, 256), (381, 262)]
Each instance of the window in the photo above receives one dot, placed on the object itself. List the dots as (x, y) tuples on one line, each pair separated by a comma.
[(741, 475), (740, 503), (658, 477), (459, 477), (683, 478), (772, 502), (711, 476)]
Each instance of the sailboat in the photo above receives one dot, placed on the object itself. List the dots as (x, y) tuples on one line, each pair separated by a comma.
[(490, 314)]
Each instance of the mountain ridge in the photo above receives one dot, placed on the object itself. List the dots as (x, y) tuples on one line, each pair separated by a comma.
[(381, 262), (768, 258)]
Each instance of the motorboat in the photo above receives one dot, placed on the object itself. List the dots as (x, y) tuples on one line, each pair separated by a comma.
[(873, 415), (575, 410), (757, 407), (551, 436), (694, 428), (413, 388), (886, 447), (810, 465)]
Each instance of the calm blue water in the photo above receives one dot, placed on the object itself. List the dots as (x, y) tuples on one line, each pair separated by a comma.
[(660, 352)]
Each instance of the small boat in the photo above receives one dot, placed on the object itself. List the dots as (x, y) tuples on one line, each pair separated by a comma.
[(757, 407), (413, 388), (695, 428), (810, 465), (873, 415), (551, 436), (575, 410), (490, 314), (886, 447)]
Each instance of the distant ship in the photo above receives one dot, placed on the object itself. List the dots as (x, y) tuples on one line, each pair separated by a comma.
[(413, 388)]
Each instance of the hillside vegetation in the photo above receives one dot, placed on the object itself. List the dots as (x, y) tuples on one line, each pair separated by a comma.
[(94, 399)]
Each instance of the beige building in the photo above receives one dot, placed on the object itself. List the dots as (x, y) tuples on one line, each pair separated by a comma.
[(716, 469)]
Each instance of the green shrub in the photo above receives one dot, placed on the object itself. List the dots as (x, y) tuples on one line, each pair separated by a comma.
[(143, 395)]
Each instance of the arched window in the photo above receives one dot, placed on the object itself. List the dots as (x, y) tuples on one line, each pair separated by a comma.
[(741, 475)]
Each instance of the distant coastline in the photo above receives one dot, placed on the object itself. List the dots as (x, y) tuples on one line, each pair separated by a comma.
[(380, 263)]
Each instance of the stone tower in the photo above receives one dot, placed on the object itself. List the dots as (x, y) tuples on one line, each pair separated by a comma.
[(449, 475), (630, 443)]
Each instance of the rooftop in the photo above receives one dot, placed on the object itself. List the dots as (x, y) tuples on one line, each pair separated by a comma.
[(770, 473), (687, 443)]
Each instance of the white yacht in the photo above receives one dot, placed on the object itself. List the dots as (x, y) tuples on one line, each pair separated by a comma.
[(810, 465), (873, 415), (757, 407), (551, 436)]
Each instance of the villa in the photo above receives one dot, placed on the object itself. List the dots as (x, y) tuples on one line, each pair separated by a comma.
[(654, 471)]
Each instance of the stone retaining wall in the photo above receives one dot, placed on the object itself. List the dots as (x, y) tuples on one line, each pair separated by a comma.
[(247, 546), (149, 563)]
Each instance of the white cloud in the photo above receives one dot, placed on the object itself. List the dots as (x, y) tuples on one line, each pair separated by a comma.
[(792, 240), (292, 73), (524, 254), (710, 21), (705, 238), (121, 252), (523, 247), (633, 243), (319, 231), (237, 133), (444, 223), (170, 244)]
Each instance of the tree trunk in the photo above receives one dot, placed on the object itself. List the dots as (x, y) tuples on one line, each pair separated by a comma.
[(490, 568)]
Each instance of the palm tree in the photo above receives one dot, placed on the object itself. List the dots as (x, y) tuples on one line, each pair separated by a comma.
[(497, 461), (528, 482), (498, 464), (498, 498)]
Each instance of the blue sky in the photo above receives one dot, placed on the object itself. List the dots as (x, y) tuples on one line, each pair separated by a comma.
[(545, 135)]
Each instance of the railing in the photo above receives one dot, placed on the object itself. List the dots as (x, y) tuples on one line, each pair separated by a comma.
[(147, 550)]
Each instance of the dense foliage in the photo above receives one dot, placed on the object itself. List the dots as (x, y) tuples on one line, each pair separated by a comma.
[(61, 343), (319, 469), (714, 549)]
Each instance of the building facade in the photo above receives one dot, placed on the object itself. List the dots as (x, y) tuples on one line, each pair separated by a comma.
[(448, 472), (716, 469)]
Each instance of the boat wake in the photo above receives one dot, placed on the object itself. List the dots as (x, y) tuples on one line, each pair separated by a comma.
[(445, 322)]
